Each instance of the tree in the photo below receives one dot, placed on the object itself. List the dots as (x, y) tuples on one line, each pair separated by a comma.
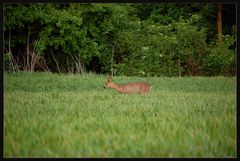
[(135, 39), (219, 22)]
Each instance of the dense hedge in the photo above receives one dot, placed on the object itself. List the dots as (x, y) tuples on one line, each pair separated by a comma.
[(134, 39)]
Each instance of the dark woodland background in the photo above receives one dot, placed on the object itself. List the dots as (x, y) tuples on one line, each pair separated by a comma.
[(137, 39)]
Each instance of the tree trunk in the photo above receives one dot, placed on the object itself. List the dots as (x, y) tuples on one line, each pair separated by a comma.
[(28, 52), (219, 22)]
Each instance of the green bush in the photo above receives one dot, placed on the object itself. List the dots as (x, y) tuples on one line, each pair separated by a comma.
[(219, 58), (170, 40), (164, 50)]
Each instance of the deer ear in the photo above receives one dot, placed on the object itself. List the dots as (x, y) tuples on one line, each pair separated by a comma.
[(109, 78)]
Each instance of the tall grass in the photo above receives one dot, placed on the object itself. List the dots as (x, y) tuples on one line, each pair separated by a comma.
[(50, 115)]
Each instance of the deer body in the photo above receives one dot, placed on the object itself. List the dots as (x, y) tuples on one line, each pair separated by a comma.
[(128, 88)]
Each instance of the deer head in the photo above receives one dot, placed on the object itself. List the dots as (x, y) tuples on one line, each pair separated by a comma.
[(109, 82)]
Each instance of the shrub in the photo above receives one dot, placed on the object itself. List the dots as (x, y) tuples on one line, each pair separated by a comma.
[(219, 58)]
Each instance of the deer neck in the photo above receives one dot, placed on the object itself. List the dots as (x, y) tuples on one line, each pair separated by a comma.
[(117, 87)]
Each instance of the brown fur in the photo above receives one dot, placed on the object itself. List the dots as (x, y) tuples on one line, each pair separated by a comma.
[(129, 88)]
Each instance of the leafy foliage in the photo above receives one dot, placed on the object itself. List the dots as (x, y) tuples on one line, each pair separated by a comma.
[(220, 60), (143, 39)]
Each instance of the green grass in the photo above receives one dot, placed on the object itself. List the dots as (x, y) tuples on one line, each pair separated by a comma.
[(50, 115)]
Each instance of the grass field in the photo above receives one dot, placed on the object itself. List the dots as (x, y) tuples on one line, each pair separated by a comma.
[(50, 115)]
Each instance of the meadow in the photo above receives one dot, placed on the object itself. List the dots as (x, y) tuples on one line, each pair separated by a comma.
[(51, 115)]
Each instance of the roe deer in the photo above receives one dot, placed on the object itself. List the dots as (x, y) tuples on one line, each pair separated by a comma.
[(129, 88)]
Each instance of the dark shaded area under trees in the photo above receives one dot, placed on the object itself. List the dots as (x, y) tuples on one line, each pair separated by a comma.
[(134, 39)]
